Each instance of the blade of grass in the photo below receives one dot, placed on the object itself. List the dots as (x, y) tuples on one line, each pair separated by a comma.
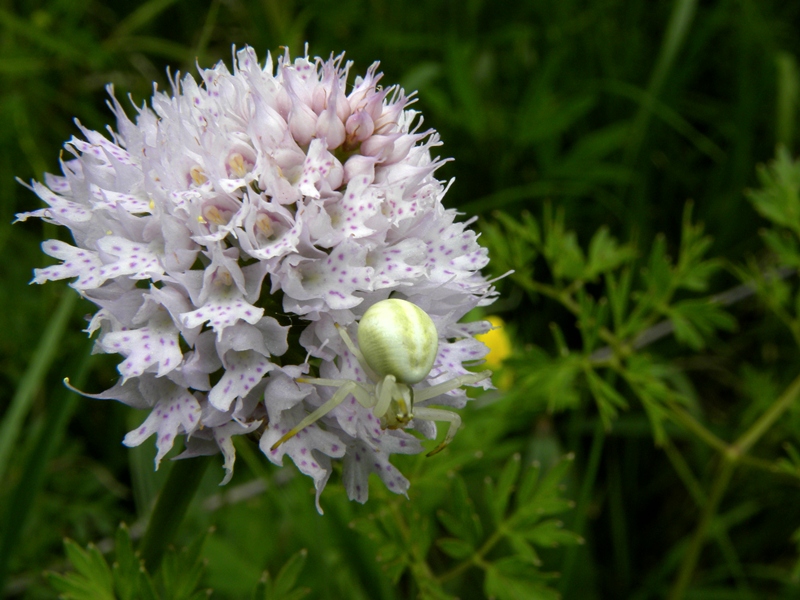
[(208, 28), (668, 116), (581, 513), (788, 88), (678, 28), (619, 522), (176, 495), (47, 442), (138, 19), (26, 137), (54, 44), (32, 379)]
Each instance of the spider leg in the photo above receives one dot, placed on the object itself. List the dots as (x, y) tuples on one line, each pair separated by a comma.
[(438, 414), (384, 392), (320, 381), (450, 384), (361, 393), (345, 389), (357, 353)]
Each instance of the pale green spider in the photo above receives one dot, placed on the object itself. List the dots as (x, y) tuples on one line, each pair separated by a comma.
[(398, 345)]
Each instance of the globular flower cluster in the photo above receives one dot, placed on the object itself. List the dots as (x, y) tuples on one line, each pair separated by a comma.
[(230, 228)]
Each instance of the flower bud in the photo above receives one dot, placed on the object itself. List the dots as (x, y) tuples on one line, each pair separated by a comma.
[(359, 166), (379, 146), (359, 127), (330, 127), (302, 123)]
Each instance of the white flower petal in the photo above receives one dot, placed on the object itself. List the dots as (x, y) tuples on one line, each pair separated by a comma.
[(78, 262), (176, 412), (243, 370)]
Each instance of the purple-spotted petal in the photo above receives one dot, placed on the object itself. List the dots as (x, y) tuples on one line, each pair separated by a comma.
[(223, 435), (145, 347), (243, 370), (359, 462), (78, 262), (133, 259), (310, 450), (175, 413), (223, 308)]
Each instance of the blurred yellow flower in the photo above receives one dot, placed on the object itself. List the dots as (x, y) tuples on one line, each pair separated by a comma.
[(498, 341)]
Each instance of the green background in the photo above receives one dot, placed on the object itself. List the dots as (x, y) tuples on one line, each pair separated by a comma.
[(616, 112)]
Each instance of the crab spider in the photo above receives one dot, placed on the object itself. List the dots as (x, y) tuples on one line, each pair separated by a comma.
[(398, 345)]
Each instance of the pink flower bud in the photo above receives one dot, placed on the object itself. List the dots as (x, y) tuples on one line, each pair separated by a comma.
[(374, 105), (359, 166), (302, 123), (359, 127), (379, 146), (319, 98), (330, 127), (283, 103), (402, 146)]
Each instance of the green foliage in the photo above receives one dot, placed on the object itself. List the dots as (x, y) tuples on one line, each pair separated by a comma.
[(778, 198), (283, 587), (127, 579), (178, 578), (499, 537), (624, 314), (653, 350), (92, 579)]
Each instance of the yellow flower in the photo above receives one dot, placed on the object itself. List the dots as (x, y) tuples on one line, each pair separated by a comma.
[(498, 341)]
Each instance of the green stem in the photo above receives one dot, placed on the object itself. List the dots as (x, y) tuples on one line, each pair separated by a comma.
[(176, 495), (34, 473), (731, 456), (563, 297), (474, 560), (680, 21), (46, 351), (420, 569), (682, 417), (765, 422), (689, 563), (581, 512)]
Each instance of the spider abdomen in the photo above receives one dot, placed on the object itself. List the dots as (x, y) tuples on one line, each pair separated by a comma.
[(398, 338)]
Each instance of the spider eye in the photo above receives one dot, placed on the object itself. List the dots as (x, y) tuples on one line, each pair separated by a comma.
[(398, 338)]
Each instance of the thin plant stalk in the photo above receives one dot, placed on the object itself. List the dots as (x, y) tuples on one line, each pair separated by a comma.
[(48, 439), (585, 496), (173, 501), (731, 456), (31, 381), (718, 489)]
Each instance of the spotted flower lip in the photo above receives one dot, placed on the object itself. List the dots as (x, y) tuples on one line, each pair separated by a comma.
[(265, 201)]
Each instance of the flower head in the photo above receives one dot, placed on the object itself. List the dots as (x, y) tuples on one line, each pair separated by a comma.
[(227, 231)]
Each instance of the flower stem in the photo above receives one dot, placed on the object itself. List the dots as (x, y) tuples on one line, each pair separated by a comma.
[(689, 563), (682, 417), (176, 495), (31, 382), (34, 468), (765, 422), (731, 456), (581, 510)]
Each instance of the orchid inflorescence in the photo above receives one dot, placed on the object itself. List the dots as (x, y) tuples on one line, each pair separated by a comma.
[(234, 235)]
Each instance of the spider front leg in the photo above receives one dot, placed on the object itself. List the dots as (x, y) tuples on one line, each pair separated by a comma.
[(356, 352), (385, 392), (439, 414), (450, 384), (346, 387)]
